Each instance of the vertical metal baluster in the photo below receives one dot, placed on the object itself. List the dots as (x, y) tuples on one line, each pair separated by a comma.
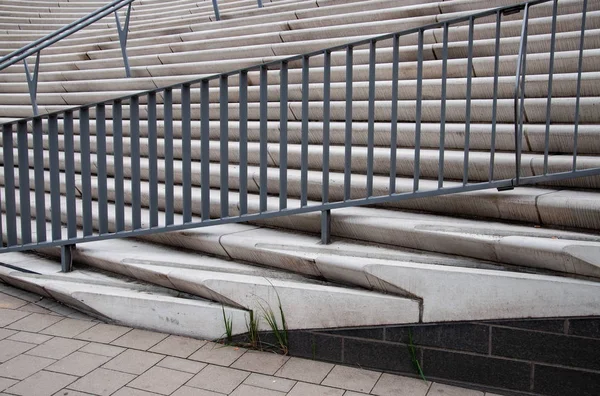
[(243, 142), (304, 150), (326, 214), (118, 165), (152, 159), (40, 188), (283, 134), (417, 159), (101, 165), (25, 205), (134, 116), (371, 118), (550, 78), (224, 144), (70, 175), (348, 130), (86, 173), (54, 178), (326, 123), (443, 107), (468, 103), (9, 184), (394, 115), (168, 139), (186, 151), (495, 100), (204, 150), (1, 227), (263, 138), (522, 96), (579, 70)]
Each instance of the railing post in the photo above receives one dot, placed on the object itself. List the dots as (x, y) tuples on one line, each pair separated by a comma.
[(519, 94), (66, 257), (216, 8), (260, 4), (326, 227), (32, 81), (123, 33)]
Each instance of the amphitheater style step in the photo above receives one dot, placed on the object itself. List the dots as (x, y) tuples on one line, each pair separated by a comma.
[(482, 254)]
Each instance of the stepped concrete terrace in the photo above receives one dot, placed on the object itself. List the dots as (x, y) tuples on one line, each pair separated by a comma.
[(531, 252)]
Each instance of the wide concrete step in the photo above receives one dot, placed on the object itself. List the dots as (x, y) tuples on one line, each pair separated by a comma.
[(560, 137), (429, 160), (564, 85), (562, 110), (433, 280), (525, 246), (121, 300), (307, 303)]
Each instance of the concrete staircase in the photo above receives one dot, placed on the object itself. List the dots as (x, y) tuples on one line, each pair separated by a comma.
[(530, 252)]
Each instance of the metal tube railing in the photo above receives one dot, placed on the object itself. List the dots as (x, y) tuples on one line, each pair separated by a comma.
[(40, 44), (164, 179)]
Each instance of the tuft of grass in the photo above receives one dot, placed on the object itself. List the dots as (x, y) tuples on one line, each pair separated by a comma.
[(252, 327), (228, 322), (413, 355), (279, 331)]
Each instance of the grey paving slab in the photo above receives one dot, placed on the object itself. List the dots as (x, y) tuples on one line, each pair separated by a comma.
[(178, 346), (5, 333), (102, 349), (42, 383), (78, 363), (139, 339), (127, 391), (393, 385), (10, 302), (351, 393), (57, 348), (247, 390), (18, 293), (447, 390), (31, 338), (189, 391), (133, 361), (34, 322), (160, 380), (8, 316), (305, 370), (102, 382), (352, 379), (6, 383), (218, 379), (269, 382), (34, 308), (68, 327), (260, 362), (22, 366), (179, 364), (103, 333), (218, 354), (306, 389), (71, 392), (9, 349)]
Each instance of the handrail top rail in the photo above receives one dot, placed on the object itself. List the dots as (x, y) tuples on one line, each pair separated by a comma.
[(59, 34), (513, 8)]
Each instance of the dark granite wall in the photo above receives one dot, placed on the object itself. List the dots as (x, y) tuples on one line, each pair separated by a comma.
[(550, 357)]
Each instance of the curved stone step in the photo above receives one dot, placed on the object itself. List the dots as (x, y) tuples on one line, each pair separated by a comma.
[(120, 301)]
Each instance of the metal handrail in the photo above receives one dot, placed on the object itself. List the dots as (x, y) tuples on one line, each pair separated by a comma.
[(85, 221), (40, 44)]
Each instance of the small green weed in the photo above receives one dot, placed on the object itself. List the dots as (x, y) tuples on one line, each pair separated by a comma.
[(413, 355), (252, 327), (228, 322), (279, 332)]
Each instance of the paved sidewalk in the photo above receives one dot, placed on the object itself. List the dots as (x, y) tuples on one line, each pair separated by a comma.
[(49, 349)]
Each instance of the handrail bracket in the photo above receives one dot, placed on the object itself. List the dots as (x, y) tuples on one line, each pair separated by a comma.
[(123, 33), (32, 81)]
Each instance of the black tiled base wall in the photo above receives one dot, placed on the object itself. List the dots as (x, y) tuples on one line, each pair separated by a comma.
[(546, 357)]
